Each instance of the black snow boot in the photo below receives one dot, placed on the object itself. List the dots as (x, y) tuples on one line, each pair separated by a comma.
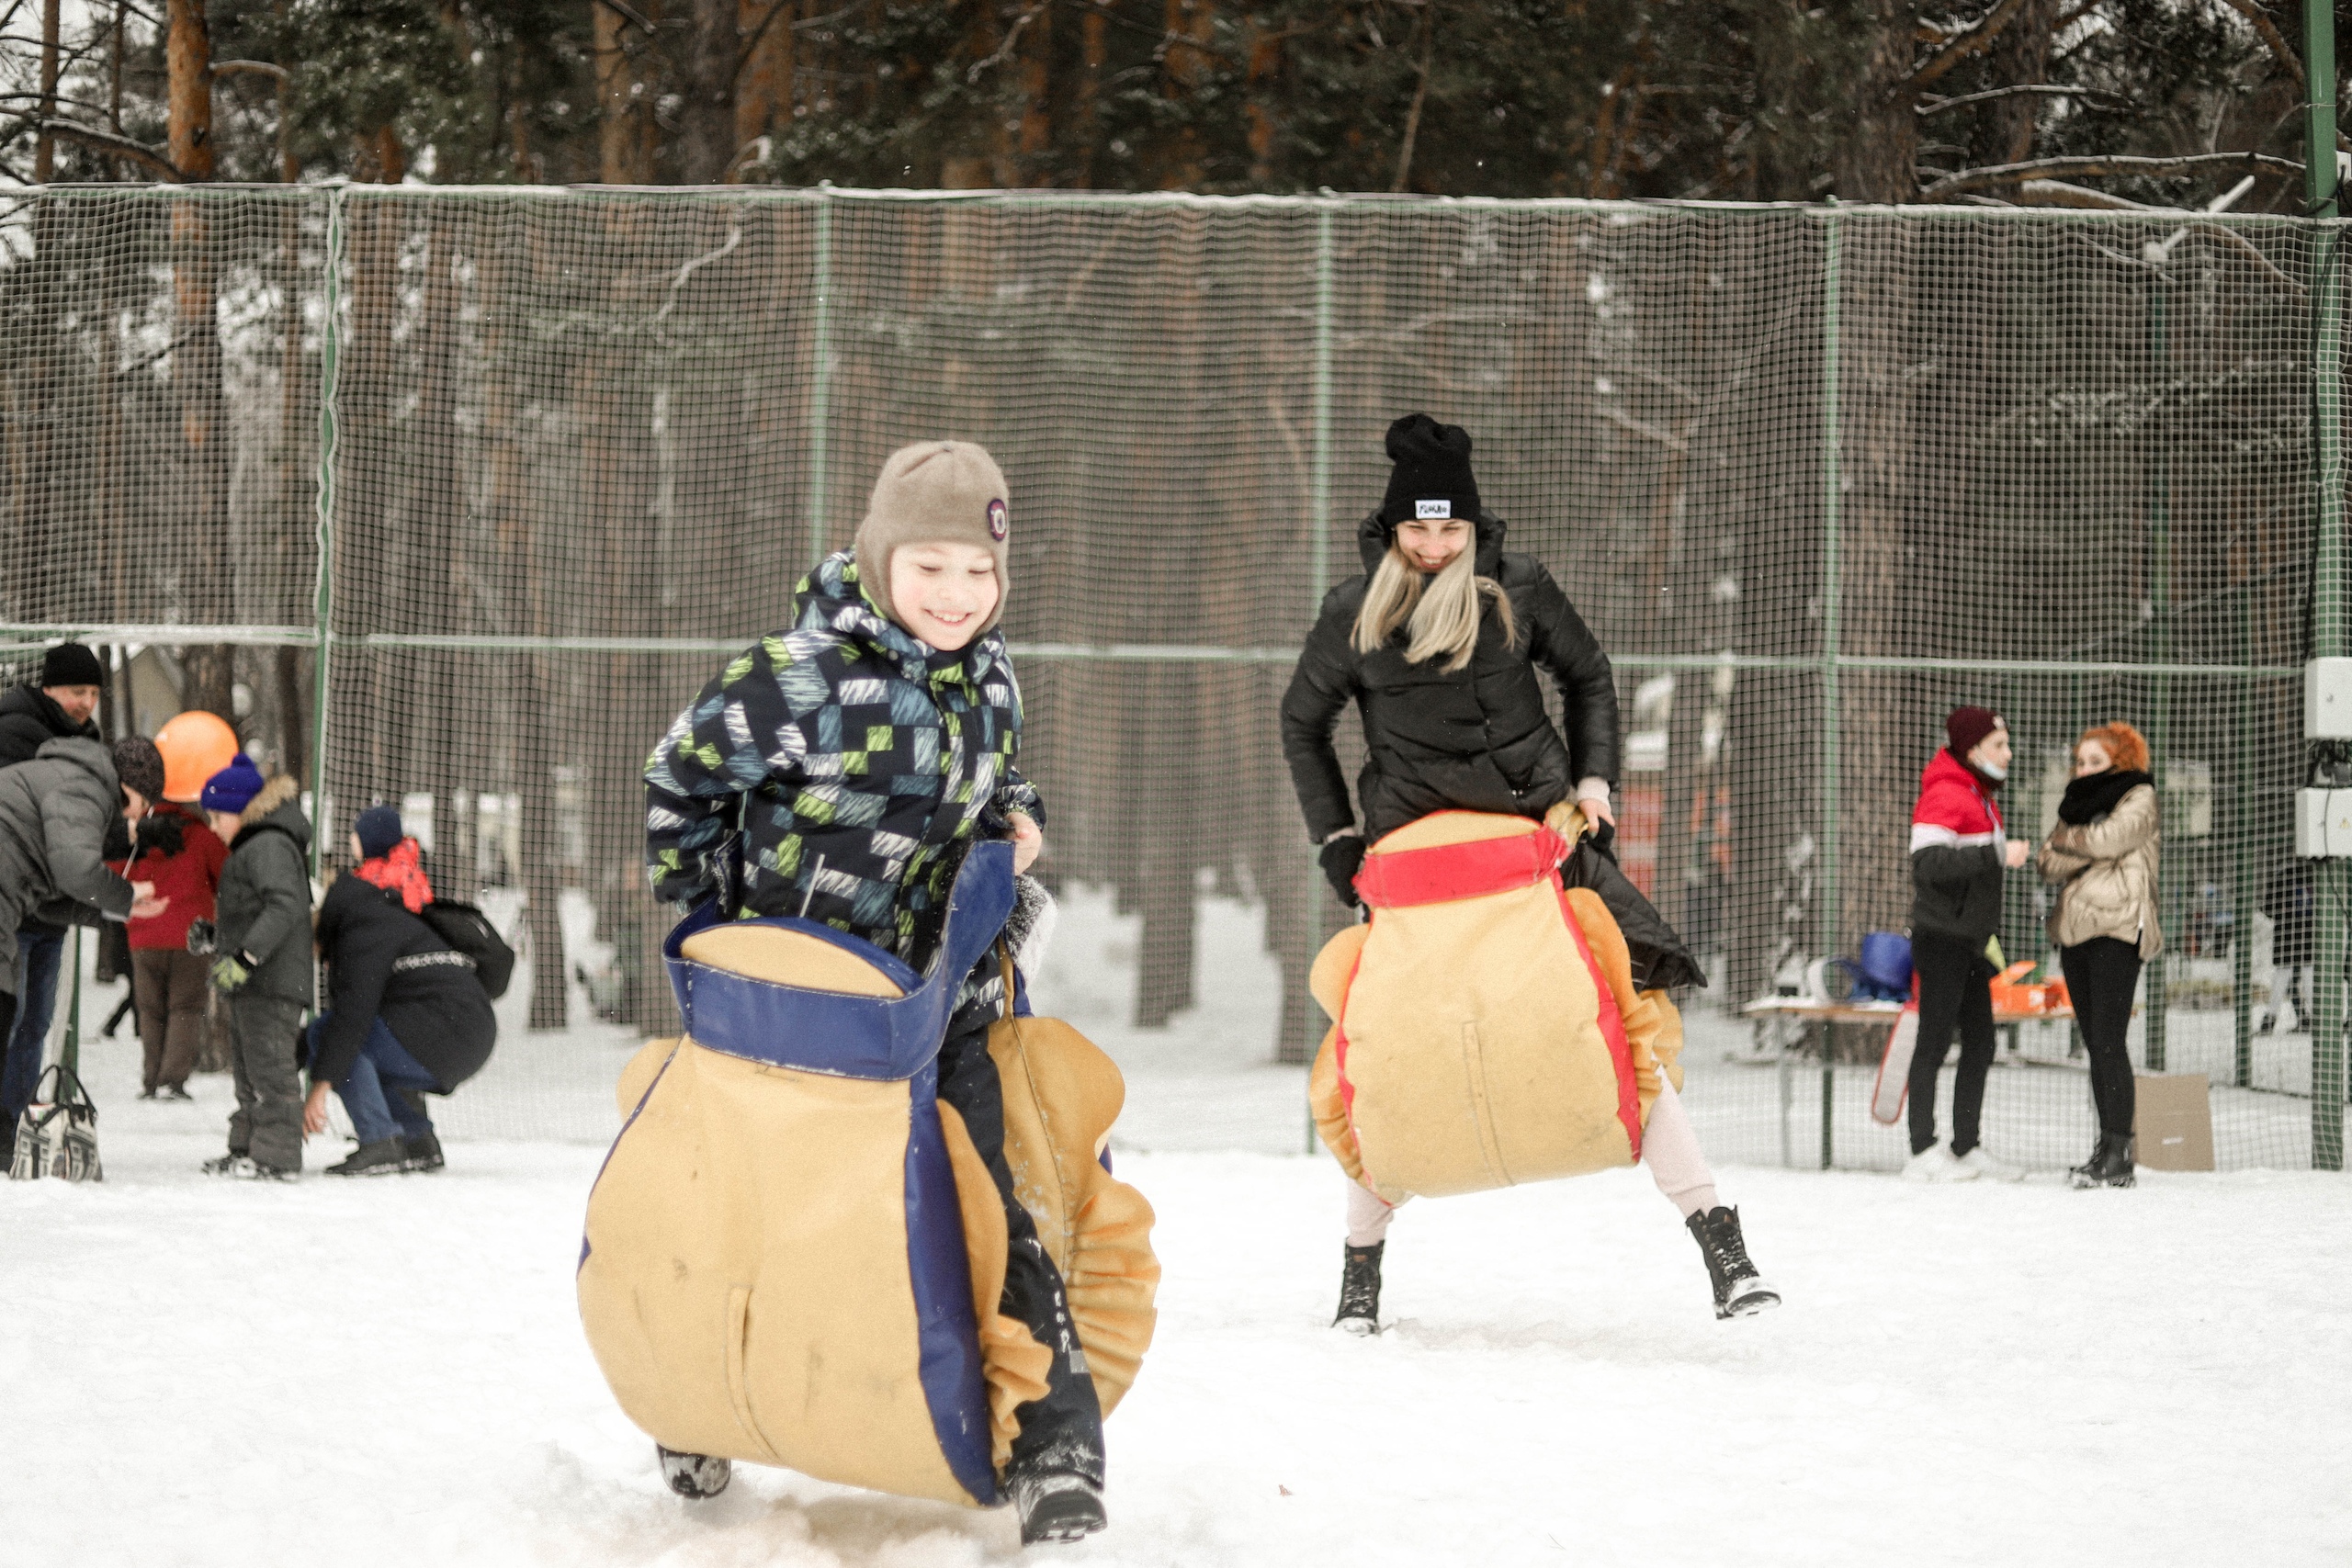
[(424, 1152), (1360, 1291), (1740, 1291), (2110, 1167), (695, 1476), (1059, 1506), (385, 1157)]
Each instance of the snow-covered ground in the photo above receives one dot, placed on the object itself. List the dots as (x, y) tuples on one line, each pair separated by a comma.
[(391, 1372)]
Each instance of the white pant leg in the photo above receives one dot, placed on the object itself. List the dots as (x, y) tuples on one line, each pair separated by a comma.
[(1368, 1217), (1670, 1148)]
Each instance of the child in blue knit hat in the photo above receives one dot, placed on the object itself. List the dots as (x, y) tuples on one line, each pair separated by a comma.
[(260, 946)]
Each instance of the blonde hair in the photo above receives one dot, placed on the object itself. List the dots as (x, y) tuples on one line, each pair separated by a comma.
[(1442, 616)]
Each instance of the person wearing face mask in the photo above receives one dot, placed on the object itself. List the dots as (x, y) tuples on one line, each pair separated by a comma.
[(836, 771), (1959, 856), (2102, 855)]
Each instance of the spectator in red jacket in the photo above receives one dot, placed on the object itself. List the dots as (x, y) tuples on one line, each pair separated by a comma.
[(183, 858)]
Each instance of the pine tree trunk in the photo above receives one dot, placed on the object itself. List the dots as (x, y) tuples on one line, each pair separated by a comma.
[(1879, 160), (195, 365), (2020, 57), (706, 115)]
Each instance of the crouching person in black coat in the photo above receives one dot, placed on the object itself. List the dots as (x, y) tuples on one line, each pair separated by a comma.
[(405, 1018)]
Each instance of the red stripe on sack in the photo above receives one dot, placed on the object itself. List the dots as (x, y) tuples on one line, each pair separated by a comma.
[(1612, 1030), (1444, 873)]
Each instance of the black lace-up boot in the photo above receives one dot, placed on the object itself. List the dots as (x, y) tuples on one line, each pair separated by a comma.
[(1360, 1291), (2110, 1167), (1740, 1291)]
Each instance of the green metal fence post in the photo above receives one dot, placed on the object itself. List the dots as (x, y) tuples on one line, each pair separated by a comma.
[(820, 383), (2242, 878), (323, 602), (2158, 990), (1319, 568), (2327, 552), (1832, 571)]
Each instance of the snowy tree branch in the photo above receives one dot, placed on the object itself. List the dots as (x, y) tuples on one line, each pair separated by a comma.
[(2043, 89), (1975, 40), (121, 146), (2070, 168)]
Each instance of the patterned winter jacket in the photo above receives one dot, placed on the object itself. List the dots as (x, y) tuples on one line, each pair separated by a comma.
[(837, 770)]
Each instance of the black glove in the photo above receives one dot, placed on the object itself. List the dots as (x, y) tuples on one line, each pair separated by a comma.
[(203, 940), (1340, 860)]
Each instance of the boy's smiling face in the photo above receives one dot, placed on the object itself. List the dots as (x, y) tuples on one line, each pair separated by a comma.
[(944, 592)]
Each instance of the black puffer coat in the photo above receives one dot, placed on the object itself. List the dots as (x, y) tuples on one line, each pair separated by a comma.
[(1478, 740), (437, 1011)]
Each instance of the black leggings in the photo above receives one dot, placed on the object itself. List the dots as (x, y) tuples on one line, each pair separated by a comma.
[(2101, 976), (1061, 1433), (1955, 991)]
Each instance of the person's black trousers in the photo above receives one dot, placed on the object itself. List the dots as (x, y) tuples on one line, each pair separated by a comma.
[(2101, 974), (1955, 992), (1062, 1433)]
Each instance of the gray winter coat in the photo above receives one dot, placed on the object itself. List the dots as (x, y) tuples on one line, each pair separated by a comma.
[(263, 908), (53, 816)]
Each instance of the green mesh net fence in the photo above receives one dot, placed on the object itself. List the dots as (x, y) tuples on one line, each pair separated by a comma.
[(1812, 475)]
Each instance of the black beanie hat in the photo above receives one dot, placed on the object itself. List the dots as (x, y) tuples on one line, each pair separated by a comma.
[(137, 765), (1431, 476), (71, 664)]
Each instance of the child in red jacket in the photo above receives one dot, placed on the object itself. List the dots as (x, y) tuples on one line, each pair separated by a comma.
[(183, 858)]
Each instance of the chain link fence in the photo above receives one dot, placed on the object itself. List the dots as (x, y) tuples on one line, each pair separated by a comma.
[(504, 474)]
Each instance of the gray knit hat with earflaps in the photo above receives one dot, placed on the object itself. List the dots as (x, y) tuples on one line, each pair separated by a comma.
[(935, 492)]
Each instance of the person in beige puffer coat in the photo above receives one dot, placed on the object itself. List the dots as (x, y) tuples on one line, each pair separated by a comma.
[(2102, 856)]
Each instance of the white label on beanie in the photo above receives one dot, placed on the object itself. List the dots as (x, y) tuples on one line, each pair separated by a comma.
[(1442, 507)]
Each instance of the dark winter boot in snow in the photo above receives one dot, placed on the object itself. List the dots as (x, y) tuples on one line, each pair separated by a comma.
[(695, 1476), (1060, 1507), (424, 1152), (1740, 1291), (1360, 1291), (385, 1157), (2111, 1166)]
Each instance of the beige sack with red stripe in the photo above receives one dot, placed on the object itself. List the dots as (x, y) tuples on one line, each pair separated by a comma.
[(1485, 1029)]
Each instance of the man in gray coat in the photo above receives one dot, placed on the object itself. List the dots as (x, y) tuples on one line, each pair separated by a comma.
[(53, 816)]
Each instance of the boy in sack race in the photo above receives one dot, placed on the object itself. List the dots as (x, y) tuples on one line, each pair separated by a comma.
[(1504, 1017), (825, 804)]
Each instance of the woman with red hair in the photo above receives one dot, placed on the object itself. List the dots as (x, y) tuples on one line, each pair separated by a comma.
[(2102, 855)]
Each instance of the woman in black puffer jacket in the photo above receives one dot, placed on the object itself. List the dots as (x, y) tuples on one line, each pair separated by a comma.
[(1466, 732), (1438, 644)]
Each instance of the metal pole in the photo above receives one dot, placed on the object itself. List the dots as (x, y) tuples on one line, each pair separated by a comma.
[(1318, 574), (322, 601), (2242, 877), (71, 1054), (820, 383), (2158, 992), (1832, 569), (2328, 552)]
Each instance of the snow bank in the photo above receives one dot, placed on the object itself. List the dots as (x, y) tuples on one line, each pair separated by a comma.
[(391, 1372)]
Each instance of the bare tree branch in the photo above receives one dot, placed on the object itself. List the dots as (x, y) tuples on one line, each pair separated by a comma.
[(2068, 168), (2268, 32), (121, 146), (2041, 89), (254, 67), (2058, 193), (1973, 41), (628, 14)]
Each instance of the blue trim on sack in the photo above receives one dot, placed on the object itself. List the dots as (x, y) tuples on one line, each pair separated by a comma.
[(939, 1268), (830, 1032)]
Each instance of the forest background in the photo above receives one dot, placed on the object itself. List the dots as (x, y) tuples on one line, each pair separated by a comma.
[(2111, 104)]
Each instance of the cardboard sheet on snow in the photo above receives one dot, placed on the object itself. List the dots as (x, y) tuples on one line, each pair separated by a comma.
[(1486, 1028)]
